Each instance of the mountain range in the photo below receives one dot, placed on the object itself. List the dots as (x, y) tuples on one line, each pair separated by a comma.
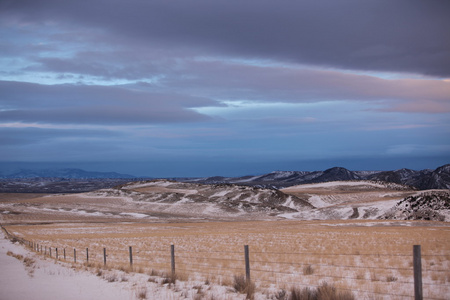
[(422, 180), (68, 173)]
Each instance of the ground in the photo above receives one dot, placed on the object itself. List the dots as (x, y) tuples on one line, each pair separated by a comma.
[(371, 258)]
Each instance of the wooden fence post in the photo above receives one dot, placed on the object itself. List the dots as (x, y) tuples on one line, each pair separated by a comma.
[(50, 251), (104, 256), (64, 253), (131, 256), (87, 255), (56, 249), (74, 255), (417, 261), (172, 259), (247, 264)]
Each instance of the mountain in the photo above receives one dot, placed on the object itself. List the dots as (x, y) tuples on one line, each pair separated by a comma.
[(65, 173), (336, 174), (439, 178), (429, 205), (423, 179), (417, 179)]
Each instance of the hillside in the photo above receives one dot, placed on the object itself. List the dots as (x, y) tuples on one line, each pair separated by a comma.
[(164, 200), (430, 205)]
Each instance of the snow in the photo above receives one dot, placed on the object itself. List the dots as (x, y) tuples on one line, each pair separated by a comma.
[(289, 216), (135, 215), (47, 279), (221, 193), (158, 183), (50, 281), (248, 179), (281, 174), (333, 184), (184, 200), (79, 212), (317, 201)]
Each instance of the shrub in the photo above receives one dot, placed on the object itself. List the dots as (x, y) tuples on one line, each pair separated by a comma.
[(281, 295), (322, 292), (239, 283), (308, 270), (303, 294), (243, 286), (169, 278), (391, 278), (141, 293), (110, 277)]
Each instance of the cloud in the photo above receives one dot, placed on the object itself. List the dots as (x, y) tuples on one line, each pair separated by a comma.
[(25, 102), (381, 35), (296, 84), (406, 149), (424, 106)]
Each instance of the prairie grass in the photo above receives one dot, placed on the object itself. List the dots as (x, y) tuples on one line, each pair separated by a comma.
[(141, 293), (308, 270), (28, 262), (357, 255), (243, 286), (322, 292)]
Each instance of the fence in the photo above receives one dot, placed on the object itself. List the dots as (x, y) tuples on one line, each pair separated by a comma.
[(368, 275)]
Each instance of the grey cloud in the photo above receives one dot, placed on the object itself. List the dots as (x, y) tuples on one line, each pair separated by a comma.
[(381, 35), (105, 65), (30, 135), (282, 84), (27, 102)]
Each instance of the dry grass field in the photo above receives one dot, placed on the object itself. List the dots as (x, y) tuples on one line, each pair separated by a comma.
[(373, 259)]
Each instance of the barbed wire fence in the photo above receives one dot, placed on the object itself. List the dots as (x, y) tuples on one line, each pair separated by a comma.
[(364, 273)]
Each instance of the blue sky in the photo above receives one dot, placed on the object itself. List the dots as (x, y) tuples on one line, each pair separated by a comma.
[(198, 88)]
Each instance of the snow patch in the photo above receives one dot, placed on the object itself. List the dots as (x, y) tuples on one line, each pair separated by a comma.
[(317, 201), (135, 215)]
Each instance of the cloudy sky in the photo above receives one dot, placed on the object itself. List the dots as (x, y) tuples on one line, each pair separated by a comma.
[(194, 88)]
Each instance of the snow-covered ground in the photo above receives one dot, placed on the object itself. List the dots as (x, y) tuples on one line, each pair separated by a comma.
[(338, 184), (45, 279)]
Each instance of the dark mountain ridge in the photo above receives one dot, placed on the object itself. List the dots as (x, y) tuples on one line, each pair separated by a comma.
[(423, 179), (68, 173)]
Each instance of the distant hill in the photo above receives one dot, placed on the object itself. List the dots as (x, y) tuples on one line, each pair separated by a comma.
[(65, 173), (423, 179)]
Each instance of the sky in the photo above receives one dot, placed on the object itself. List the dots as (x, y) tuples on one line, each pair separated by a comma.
[(200, 88)]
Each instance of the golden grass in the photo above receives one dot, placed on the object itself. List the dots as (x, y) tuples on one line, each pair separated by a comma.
[(372, 257)]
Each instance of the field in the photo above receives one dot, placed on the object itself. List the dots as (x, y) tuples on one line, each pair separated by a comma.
[(371, 258)]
